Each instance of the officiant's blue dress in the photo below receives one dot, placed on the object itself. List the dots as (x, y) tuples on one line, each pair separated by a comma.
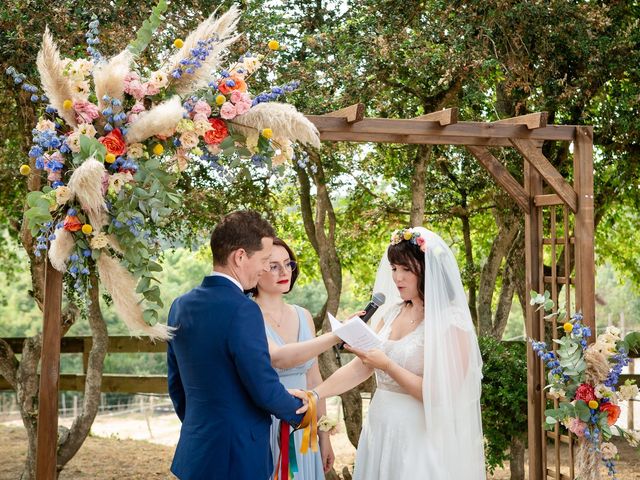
[(309, 464)]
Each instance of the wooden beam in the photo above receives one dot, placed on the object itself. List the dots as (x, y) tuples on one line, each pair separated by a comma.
[(47, 436), (536, 158), (547, 200), (447, 116), (416, 139), (117, 344), (388, 126), (353, 113), (531, 120), (502, 176)]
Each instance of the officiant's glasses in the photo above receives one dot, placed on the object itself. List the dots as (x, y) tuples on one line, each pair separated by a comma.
[(275, 267)]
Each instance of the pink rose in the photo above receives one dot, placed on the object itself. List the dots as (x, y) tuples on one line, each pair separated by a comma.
[(86, 112), (577, 427), (240, 97), (199, 117), (138, 107), (242, 107), (129, 77), (151, 88), (201, 108), (54, 176), (135, 89), (228, 111)]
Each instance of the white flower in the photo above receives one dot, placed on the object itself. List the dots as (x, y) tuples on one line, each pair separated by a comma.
[(81, 90), (613, 331), (118, 180), (602, 391), (557, 393), (135, 150), (159, 79), (627, 391), (609, 451), (99, 241), (63, 195), (189, 140), (45, 125), (73, 141), (202, 127), (86, 129)]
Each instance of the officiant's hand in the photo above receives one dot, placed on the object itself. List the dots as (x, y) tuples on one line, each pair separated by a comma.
[(371, 358), (302, 396)]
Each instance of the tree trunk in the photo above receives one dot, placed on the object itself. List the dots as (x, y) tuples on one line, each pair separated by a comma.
[(516, 458), (423, 154), (512, 279), (470, 268), (320, 227)]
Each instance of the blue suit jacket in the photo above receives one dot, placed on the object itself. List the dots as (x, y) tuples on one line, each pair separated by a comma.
[(222, 385)]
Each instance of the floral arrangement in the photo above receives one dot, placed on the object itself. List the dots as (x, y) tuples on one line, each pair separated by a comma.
[(113, 140), (410, 235), (584, 379)]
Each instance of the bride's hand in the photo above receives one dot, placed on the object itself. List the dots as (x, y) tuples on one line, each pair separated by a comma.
[(372, 358), (302, 396)]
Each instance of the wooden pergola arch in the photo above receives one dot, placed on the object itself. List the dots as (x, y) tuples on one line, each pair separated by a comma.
[(559, 230)]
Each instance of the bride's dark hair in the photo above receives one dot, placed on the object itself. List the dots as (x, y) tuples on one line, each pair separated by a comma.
[(409, 255)]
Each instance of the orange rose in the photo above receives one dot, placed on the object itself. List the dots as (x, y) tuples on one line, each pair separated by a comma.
[(114, 142), (72, 223), (217, 133), (613, 412), (239, 84)]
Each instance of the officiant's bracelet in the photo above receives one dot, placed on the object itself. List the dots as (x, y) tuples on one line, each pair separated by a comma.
[(316, 394)]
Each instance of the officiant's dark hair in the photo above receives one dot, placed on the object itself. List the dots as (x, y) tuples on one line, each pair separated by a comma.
[(409, 255), (278, 242), (241, 229)]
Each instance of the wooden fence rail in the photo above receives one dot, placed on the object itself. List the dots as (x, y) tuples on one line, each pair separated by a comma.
[(118, 382)]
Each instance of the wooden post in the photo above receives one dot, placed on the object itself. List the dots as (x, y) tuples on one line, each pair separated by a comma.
[(533, 248), (46, 450), (584, 227)]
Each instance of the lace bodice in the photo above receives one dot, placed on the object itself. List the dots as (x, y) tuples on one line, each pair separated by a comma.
[(408, 352)]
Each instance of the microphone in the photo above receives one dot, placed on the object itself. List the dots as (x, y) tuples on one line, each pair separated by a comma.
[(377, 300)]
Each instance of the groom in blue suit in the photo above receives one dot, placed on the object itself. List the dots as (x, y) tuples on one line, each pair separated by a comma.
[(220, 377)]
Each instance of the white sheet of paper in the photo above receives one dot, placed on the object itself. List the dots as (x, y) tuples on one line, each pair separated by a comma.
[(355, 333)]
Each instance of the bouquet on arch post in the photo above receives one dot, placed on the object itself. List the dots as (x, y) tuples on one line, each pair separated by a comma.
[(585, 380), (113, 138)]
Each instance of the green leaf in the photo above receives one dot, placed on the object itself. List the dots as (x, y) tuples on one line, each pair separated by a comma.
[(583, 411), (149, 26), (550, 420), (154, 267), (91, 147), (33, 197)]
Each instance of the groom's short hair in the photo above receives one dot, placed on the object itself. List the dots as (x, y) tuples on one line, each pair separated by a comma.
[(241, 229)]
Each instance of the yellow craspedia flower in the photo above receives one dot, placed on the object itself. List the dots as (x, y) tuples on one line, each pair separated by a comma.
[(407, 235), (568, 327), (593, 404), (67, 104), (158, 149), (110, 158), (220, 99), (267, 133), (87, 229), (274, 45), (178, 43), (25, 170)]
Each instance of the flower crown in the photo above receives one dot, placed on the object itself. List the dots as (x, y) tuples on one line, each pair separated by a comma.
[(411, 235)]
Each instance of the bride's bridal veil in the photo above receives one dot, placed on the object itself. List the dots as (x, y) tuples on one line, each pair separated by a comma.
[(452, 363)]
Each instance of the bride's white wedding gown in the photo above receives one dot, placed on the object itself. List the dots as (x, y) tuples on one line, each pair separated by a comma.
[(393, 444)]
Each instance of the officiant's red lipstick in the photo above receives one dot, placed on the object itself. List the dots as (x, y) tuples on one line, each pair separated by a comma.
[(282, 282)]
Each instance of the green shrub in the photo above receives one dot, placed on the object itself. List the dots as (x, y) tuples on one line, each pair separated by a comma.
[(504, 397)]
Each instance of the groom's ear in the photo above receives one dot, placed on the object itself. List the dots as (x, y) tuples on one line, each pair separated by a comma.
[(238, 256)]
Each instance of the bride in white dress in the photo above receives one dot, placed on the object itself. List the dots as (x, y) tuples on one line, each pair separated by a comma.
[(424, 419)]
